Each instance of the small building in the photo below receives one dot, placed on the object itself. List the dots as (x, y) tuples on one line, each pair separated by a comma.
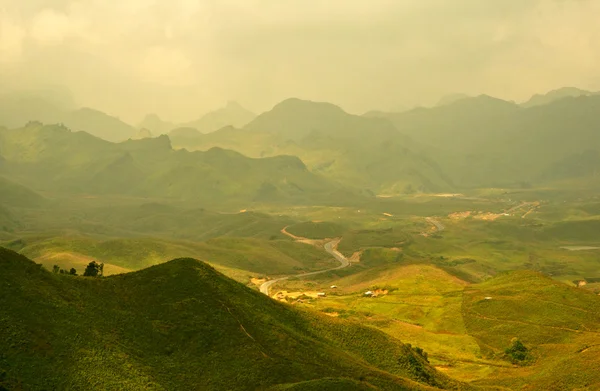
[(487, 298), (321, 294), (369, 293), (333, 287)]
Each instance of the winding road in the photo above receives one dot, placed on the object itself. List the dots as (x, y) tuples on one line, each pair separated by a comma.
[(439, 226), (330, 248)]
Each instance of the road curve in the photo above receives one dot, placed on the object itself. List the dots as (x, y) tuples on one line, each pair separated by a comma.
[(330, 248), (439, 226)]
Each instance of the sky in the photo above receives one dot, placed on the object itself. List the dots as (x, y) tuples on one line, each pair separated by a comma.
[(181, 58)]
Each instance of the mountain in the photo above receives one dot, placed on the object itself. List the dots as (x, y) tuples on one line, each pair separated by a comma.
[(364, 153), (16, 110), (153, 123), (180, 326), (184, 133), (99, 124), (488, 142), (55, 159), (552, 96), (13, 194), (295, 119), (452, 98), (233, 114), (142, 134)]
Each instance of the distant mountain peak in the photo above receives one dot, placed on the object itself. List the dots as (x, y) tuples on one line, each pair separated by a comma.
[(452, 98), (554, 95)]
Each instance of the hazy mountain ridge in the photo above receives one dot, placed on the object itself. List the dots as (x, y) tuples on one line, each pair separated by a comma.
[(356, 151), (56, 159), (485, 141), (232, 114), (554, 95)]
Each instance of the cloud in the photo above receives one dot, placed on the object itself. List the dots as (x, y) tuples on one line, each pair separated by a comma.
[(182, 57), (12, 36), (50, 27)]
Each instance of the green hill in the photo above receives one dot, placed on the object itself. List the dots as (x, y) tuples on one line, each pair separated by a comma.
[(182, 325), (364, 153), (239, 258), (559, 325), (487, 142), (53, 158)]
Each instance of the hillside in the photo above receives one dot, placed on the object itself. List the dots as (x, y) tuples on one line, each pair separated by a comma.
[(178, 326), (13, 194), (489, 142), (99, 124), (238, 258), (359, 152), (16, 110), (53, 158), (559, 324)]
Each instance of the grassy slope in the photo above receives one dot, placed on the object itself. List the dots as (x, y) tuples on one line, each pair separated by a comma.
[(13, 194), (180, 325), (560, 324), (237, 257), (465, 334)]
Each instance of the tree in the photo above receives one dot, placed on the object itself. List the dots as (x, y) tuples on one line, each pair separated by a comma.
[(92, 269), (73, 272), (517, 352), (101, 269), (55, 269)]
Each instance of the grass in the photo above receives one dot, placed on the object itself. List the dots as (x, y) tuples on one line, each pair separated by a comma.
[(179, 325), (239, 258), (317, 230)]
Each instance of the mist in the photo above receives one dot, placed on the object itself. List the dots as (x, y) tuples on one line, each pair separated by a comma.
[(181, 58)]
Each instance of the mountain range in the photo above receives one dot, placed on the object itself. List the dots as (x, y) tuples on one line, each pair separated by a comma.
[(233, 114), (55, 159)]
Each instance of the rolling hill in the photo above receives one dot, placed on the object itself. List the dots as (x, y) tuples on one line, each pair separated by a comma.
[(55, 159), (182, 325)]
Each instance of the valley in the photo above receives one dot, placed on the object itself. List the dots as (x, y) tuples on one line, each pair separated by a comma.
[(307, 249)]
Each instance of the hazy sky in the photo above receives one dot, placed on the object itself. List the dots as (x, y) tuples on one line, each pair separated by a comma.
[(180, 58)]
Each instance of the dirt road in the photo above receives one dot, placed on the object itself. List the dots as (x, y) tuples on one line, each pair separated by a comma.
[(330, 247)]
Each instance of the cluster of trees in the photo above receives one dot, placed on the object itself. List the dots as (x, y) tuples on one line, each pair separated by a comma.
[(93, 269), (517, 353), (57, 270)]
